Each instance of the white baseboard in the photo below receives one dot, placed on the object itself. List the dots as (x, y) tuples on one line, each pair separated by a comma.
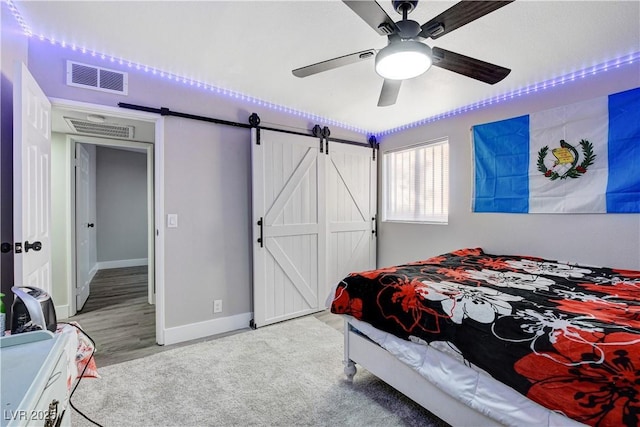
[(207, 328), (103, 265), (93, 272), (62, 311)]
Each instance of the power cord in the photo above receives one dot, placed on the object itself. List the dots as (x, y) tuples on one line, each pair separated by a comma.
[(81, 375)]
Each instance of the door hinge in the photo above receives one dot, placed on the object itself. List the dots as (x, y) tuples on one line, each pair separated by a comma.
[(374, 227)]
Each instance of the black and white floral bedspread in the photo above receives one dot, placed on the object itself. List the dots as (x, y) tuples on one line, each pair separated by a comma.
[(565, 336)]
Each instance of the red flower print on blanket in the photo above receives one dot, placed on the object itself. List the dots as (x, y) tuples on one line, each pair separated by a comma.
[(593, 383), (405, 302), (372, 274), (344, 304)]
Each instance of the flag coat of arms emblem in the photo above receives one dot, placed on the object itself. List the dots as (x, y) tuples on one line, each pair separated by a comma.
[(578, 158)]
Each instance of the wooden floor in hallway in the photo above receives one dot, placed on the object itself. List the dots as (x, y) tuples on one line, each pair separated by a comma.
[(118, 317), (120, 320)]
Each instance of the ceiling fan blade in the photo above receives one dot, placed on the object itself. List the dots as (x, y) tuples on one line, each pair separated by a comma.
[(458, 15), (330, 64), (470, 67), (389, 92), (374, 15)]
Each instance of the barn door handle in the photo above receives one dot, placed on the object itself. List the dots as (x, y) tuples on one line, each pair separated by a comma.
[(91, 225), (36, 246), (374, 229), (260, 222)]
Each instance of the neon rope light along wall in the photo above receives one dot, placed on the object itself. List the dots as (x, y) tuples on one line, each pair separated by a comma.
[(602, 67)]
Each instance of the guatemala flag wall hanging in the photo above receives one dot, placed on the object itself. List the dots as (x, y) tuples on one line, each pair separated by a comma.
[(578, 158)]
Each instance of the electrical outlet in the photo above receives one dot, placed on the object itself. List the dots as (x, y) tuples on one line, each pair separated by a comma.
[(217, 306)]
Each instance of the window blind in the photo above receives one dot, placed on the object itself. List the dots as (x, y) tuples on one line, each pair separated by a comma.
[(416, 183)]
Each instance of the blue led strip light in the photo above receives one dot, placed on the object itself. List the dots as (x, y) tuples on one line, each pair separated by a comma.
[(182, 79), (536, 87), (567, 78)]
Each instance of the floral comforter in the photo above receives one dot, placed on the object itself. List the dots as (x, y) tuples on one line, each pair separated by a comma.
[(565, 336)]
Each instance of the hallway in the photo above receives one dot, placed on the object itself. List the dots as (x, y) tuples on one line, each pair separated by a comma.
[(118, 316)]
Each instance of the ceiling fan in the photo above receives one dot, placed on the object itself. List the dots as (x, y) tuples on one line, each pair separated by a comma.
[(405, 56)]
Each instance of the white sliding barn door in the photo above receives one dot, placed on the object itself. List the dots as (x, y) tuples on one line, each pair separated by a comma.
[(351, 211), (31, 182), (313, 221), (288, 201)]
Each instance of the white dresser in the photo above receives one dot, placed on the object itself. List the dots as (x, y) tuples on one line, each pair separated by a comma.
[(34, 380)]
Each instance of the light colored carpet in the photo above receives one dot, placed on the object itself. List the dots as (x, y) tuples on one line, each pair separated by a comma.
[(288, 374)]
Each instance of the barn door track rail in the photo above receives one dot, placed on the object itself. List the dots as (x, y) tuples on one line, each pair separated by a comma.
[(254, 122)]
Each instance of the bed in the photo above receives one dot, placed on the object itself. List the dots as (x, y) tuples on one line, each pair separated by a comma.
[(481, 339)]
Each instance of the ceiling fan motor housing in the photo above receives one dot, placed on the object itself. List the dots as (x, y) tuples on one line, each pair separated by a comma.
[(408, 29), (402, 6)]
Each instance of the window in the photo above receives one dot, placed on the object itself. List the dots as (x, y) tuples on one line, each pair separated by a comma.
[(415, 183)]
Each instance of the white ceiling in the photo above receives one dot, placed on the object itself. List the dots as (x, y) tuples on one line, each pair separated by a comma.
[(252, 46)]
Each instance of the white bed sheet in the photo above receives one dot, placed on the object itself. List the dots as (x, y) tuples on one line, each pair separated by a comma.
[(464, 382)]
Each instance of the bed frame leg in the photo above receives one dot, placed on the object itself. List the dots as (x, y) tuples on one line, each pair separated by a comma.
[(350, 369), (349, 365)]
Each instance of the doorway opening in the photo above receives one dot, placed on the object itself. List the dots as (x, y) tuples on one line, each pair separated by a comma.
[(113, 209), (112, 189)]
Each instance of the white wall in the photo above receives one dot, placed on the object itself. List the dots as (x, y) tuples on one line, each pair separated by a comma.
[(121, 206), (61, 274), (207, 183), (609, 240)]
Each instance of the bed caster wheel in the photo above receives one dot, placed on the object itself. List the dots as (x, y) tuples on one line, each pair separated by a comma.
[(350, 370)]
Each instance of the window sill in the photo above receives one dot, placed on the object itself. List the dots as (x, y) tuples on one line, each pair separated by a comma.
[(398, 221)]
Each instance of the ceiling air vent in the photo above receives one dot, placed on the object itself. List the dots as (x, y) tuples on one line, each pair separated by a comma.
[(96, 78), (110, 130)]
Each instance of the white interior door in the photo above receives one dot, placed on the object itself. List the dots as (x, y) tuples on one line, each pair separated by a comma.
[(31, 182), (288, 202), (83, 226), (351, 211)]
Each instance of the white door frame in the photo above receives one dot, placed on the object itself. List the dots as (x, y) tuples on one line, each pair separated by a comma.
[(155, 166)]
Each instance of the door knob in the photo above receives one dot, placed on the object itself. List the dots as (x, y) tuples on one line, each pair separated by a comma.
[(90, 225), (6, 247), (36, 246)]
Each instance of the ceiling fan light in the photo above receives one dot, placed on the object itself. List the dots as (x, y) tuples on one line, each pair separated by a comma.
[(403, 60)]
